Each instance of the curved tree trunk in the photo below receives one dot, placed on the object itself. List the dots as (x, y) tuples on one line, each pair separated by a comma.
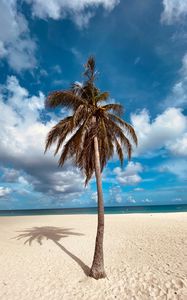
[(97, 270)]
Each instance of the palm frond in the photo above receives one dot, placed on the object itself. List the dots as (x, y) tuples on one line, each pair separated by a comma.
[(90, 69), (106, 147), (127, 145), (118, 132), (85, 159), (130, 130), (77, 88), (74, 135), (74, 145), (119, 151), (102, 97), (64, 99), (80, 114), (115, 108), (59, 131)]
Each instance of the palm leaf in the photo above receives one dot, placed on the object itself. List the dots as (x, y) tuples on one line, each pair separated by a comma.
[(89, 120), (102, 97), (59, 131), (116, 108), (119, 151), (64, 99), (90, 69), (118, 132), (74, 145), (126, 125)]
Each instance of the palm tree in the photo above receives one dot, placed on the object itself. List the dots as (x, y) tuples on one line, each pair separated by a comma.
[(90, 136)]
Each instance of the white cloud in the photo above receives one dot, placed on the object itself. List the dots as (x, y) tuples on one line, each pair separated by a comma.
[(118, 198), (177, 200), (116, 194), (4, 191), (178, 167), (138, 189), (174, 11), (16, 45), (62, 181), (22, 139), (80, 11), (179, 148), (131, 199), (178, 95), (23, 181), (9, 175), (163, 132), (147, 200), (130, 175), (168, 131), (94, 196), (21, 103)]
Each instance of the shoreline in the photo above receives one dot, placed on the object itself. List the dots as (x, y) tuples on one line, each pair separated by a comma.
[(95, 214), (147, 209)]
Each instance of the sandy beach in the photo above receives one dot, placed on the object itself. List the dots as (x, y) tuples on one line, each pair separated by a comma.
[(48, 257)]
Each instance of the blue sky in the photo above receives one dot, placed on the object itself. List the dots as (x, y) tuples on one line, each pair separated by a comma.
[(141, 53)]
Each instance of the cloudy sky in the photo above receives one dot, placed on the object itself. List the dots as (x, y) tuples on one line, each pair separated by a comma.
[(141, 53)]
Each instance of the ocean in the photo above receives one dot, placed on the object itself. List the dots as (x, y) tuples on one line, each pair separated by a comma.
[(93, 210)]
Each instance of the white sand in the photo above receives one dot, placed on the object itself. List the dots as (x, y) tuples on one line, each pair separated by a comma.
[(145, 257)]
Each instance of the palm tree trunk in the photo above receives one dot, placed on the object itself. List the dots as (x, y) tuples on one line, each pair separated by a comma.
[(97, 270)]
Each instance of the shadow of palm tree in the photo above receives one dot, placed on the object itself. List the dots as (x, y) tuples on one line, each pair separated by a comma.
[(54, 234)]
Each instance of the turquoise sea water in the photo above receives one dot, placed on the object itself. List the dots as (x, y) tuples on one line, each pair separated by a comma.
[(93, 210)]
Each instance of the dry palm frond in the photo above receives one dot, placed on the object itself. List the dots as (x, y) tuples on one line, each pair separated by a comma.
[(115, 108), (130, 130), (79, 130), (64, 98), (102, 97), (59, 131)]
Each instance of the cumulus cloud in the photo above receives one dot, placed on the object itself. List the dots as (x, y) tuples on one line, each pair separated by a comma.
[(178, 167), (130, 175), (131, 199), (115, 193), (147, 200), (164, 132), (67, 182), (4, 191), (94, 196), (118, 198), (16, 45), (80, 11), (168, 131), (178, 95), (179, 148), (22, 138), (9, 175), (174, 11)]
